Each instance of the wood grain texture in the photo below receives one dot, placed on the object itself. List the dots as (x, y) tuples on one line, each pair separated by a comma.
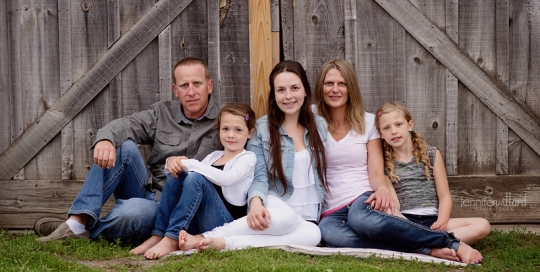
[(287, 28), (23, 202), (424, 89), (61, 111), (502, 32), (478, 124), (5, 82), (234, 54), (319, 34), (499, 199), (376, 55), (472, 76), (261, 53), (452, 99)]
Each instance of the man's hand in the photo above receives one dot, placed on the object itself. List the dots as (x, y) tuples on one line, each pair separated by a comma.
[(175, 166), (105, 154), (381, 200), (258, 217)]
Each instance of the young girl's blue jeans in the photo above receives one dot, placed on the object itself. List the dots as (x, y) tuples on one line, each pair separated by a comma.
[(133, 213), (189, 202), (360, 226)]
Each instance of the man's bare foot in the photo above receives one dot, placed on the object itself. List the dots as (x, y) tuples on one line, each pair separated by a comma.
[(444, 253), (187, 241), (163, 248), (211, 243), (149, 243), (468, 255)]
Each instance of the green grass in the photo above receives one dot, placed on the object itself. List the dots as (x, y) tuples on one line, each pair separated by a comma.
[(516, 250)]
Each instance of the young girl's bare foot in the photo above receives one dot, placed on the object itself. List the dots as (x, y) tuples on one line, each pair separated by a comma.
[(209, 243), (149, 243), (163, 248), (444, 253), (468, 255), (187, 241)]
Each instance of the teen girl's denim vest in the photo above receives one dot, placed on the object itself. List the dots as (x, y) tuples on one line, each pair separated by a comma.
[(259, 144)]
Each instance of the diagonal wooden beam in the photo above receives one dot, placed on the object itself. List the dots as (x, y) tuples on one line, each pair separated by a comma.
[(65, 108), (460, 64)]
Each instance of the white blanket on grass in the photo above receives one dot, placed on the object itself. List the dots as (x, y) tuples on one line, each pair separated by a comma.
[(357, 252)]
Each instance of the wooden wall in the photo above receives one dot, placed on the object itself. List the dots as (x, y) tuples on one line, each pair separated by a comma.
[(467, 70)]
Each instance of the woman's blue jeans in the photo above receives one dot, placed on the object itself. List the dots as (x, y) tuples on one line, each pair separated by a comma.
[(359, 226), (132, 216), (189, 202)]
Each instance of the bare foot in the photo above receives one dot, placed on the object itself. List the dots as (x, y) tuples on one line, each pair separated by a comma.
[(149, 243), (468, 255), (163, 248), (187, 241), (209, 243), (444, 253)]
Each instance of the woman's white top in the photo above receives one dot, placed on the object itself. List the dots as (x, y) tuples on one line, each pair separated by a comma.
[(304, 200), (235, 178), (347, 170)]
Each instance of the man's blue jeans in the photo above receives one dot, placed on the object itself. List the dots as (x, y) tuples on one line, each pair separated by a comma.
[(189, 202), (359, 226), (133, 214)]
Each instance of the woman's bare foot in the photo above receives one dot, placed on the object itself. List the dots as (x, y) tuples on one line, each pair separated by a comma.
[(149, 243), (444, 253), (187, 241), (468, 255), (163, 248), (211, 243)]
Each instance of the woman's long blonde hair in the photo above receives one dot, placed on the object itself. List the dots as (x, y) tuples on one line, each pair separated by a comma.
[(419, 144), (355, 105)]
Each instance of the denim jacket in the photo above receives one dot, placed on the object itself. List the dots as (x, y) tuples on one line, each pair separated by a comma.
[(260, 145)]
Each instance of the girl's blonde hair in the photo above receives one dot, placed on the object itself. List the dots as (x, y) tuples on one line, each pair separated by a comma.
[(419, 144)]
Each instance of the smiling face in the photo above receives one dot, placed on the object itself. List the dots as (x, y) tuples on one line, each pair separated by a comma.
[(289, 92), (394, 128), (233, 132), (192, 89), (335, 92)]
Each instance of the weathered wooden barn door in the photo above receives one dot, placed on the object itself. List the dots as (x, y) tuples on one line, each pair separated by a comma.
[(68, 67), (466, 70)]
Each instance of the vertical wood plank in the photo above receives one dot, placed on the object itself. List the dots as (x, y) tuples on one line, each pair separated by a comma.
[(524, 78), (319, 34), (275, 20), (502, 33), (40, 86), (351, 32), (64, 41), (235, 53), (287, 28), (425, 85), (375, 54), (88, 43), (16, 74), (142, 88), (260, 52), (451, 155), (212, 15), (189, 33), (477, 127), (5, 82), (165, 64), (113, 22), (300, 35)]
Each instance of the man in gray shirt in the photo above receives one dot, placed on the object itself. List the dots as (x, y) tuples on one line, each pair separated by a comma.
[(172, 128)]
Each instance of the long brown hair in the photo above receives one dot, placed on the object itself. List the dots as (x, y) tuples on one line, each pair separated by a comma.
[(355, 104), (306, 119), (419, 144)]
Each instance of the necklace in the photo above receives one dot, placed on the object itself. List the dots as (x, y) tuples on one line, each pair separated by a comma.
[(336, 131)]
